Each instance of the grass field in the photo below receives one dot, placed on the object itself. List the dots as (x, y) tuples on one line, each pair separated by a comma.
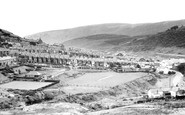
[(92, 82), (25, 85), (107, 79)]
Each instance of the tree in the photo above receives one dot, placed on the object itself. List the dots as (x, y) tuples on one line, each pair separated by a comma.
[(174, 28), (181, 68), (40, 41), (138, 66), (48, 96)]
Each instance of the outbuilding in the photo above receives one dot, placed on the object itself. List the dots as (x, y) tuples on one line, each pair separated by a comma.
[(155, 93)]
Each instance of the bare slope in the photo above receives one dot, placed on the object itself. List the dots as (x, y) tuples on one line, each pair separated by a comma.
[(59, 36)]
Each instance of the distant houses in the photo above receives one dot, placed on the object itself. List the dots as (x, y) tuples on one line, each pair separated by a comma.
[(4, 52), (7, 61)]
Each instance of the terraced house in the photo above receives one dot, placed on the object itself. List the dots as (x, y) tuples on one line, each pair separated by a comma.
[(7, 61), (4, 52)]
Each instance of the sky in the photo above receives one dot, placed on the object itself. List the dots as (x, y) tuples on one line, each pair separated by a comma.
[(26, 17)]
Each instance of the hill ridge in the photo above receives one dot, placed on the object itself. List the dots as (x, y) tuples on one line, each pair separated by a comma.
[(170, 40), (57, 36)]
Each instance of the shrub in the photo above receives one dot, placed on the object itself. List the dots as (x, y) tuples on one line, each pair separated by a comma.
[(4, 104), (48, 96), (181, 68)]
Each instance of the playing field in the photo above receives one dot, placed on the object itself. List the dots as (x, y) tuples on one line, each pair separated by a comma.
[(105, 79), (25, 85)]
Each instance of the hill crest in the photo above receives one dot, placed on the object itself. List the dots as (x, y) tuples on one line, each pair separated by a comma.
[(59, 36)]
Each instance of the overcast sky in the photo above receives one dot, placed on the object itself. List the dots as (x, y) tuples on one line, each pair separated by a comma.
[(25, 17)]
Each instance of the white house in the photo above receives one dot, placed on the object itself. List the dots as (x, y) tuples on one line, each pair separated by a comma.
[(177, 79), (155, 93), (163, 69), (159, 92)]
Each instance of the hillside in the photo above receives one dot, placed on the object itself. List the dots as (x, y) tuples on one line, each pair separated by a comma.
[(7, 39), (59, 36), (169, 41), (6, 36), (98, 42)]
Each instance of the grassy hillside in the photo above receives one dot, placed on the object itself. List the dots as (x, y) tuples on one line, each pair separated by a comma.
[(98, 42), (59, 36), (168, 38), (169, 41)]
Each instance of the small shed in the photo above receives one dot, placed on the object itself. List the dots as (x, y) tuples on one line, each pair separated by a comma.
[(21, 69), (163, 70)]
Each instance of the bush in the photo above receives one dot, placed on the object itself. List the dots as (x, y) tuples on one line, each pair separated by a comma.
[(4, 104), (161, 72), (48, 96), (181, 68)]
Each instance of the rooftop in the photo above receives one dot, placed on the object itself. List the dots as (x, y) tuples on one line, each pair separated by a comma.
[(3, 49), (6, 58)]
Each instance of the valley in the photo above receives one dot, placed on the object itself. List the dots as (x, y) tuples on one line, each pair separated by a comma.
[(102, 69)]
